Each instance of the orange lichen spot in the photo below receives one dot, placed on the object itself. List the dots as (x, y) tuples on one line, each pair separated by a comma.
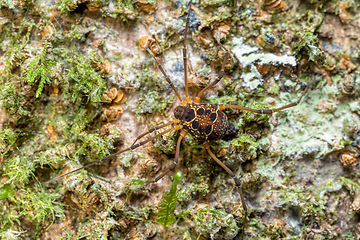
[(150, 19), (52, 133), (54, 90), (145, 6), (47, 32), (274, 5), (263, 69), (348, 159), (120, 97), (114, 96), (112, 113), (150, 42), (93, 6), (346, 64)]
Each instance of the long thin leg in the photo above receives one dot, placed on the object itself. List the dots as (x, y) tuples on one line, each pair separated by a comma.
[(165, 75), (237, 182), (188, 99), (268, 111), (219, 42), (171, 168), (221, 45), (151, 130), (220, 75), (176, 127)]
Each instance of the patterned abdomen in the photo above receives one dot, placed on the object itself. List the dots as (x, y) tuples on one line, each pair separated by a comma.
[(205, 122)]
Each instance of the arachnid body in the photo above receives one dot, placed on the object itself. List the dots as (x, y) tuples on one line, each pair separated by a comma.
[(204, 122)]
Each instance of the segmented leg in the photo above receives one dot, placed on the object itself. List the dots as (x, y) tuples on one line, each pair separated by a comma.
[(219, 77), (165, 75), (267, 111), (188, 99), (151, 130), (237, 182), (177, 127), (177, 153), (221, 45)]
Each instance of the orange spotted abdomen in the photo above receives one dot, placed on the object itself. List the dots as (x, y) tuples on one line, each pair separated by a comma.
[(205, 122)]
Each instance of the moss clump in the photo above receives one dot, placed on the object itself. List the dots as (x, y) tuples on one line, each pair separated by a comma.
[(39, 71), (214, 223), (36, 205), (83, 81), (309, 44)]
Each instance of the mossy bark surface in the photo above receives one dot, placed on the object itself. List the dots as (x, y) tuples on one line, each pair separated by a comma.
[(77, 85)]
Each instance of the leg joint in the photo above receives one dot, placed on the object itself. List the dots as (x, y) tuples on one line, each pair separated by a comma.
[(172, 166), (237, 181)]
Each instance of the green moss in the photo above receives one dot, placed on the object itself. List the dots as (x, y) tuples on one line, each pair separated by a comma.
[(16, 101), (351, 185), (39, 206), (67, 112), (19, 169), (81, 232), (217, 2), (36, 205), (91, 228), (8, 138), (260, 119), (167, 205), (124, 9), (246, 144), (83, 81), (210, 221), (135, 185), (68, 5), (15, 53), (310, 44), (6, 191), (39, 71), (216, 100)]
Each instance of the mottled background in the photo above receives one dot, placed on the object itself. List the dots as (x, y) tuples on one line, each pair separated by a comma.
[(76, 85)]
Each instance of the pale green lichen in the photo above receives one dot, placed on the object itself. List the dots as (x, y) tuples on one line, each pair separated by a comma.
[(248, 56), (312, 131)]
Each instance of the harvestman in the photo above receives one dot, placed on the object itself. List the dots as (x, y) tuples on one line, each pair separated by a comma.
[(204, 122)]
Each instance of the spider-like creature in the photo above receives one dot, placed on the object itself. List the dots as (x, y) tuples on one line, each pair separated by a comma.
[(203, 121)]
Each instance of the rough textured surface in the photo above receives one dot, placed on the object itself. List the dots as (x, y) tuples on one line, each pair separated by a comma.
[(76, 86)]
